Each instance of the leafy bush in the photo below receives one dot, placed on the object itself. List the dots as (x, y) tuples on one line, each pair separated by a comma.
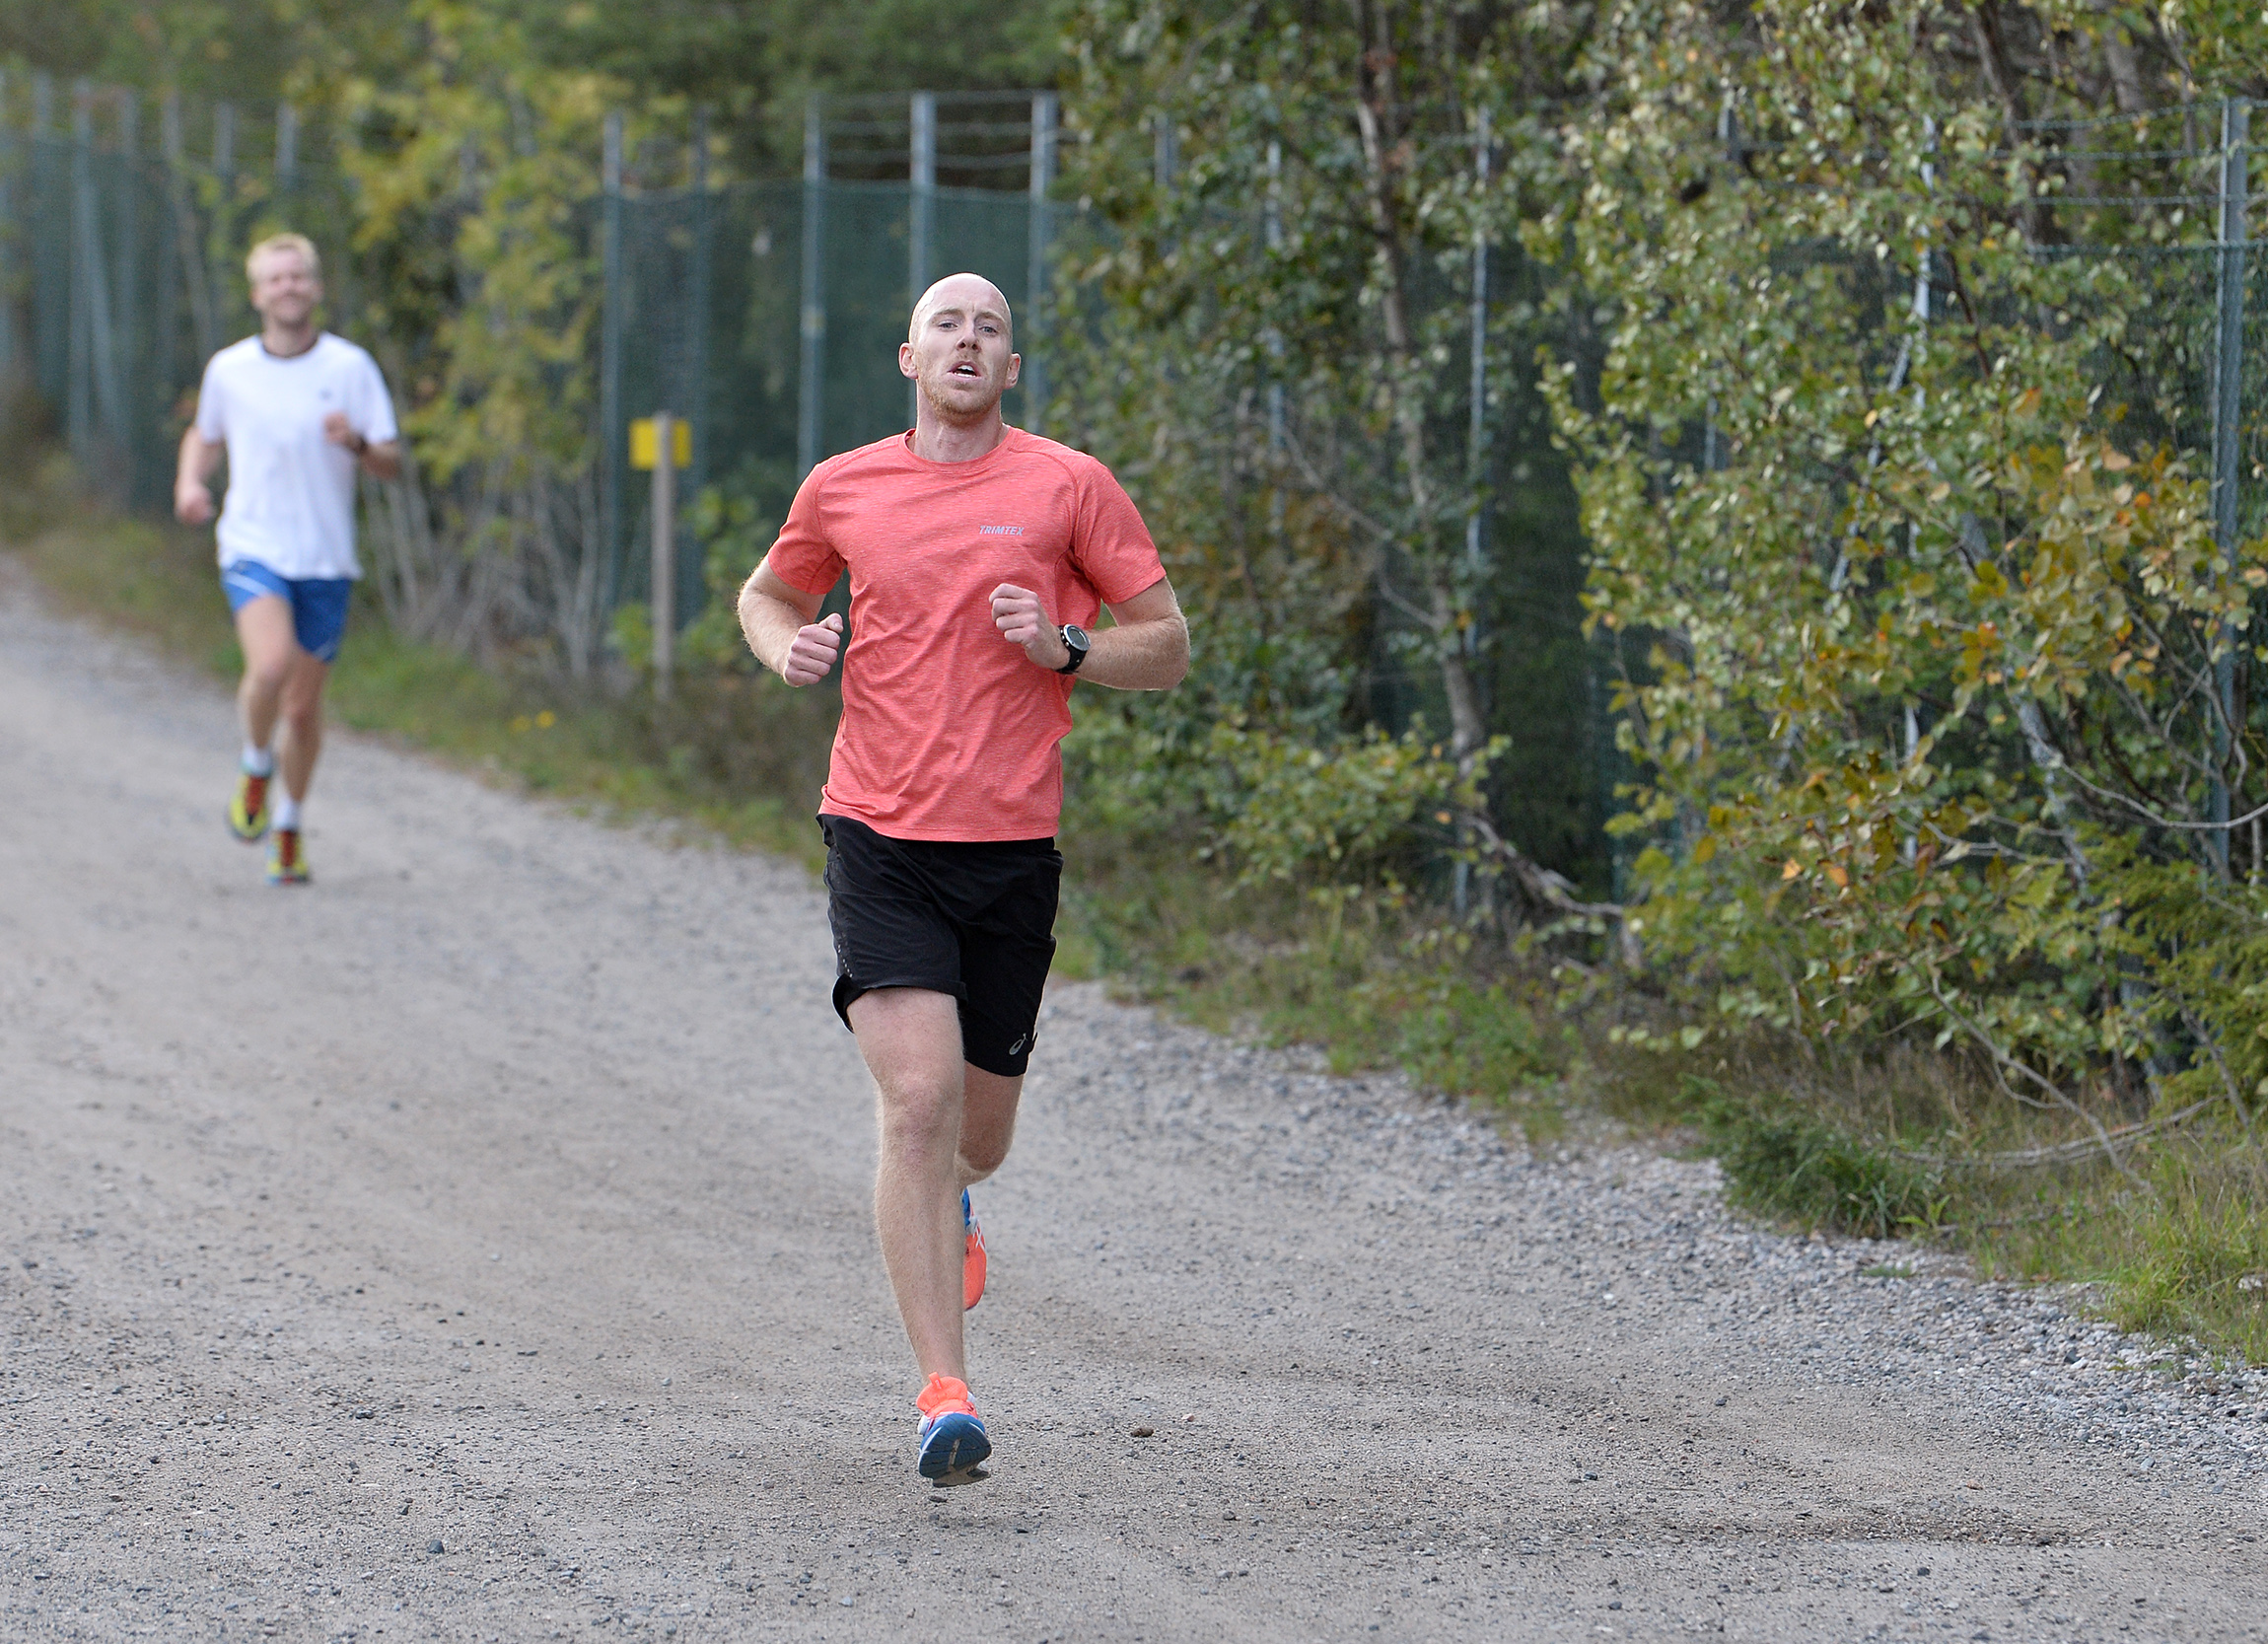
[(1929, 645)]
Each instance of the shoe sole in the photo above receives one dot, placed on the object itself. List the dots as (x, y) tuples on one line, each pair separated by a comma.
[(236, 832), (954, 1447)]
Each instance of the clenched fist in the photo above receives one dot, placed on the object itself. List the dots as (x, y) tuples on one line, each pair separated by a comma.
[(812, 655), (1025, 623), (192, 503)]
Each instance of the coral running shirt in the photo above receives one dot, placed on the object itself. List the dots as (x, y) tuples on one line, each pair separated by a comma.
[(949, 731)]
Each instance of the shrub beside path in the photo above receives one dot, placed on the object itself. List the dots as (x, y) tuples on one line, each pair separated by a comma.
[(476, 1246)]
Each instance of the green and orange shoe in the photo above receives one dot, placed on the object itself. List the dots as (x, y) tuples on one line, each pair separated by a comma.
[(287, 862), (249, 809)]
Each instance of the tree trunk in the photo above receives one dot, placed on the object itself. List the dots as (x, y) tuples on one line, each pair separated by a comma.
[(1469, 726)]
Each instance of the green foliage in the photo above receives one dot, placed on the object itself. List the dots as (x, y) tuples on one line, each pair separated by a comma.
[(755, 64), (1296, 810), (1921, 639), (1272, 346)]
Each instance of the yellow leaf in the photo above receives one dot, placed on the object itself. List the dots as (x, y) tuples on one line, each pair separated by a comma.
[(2116, 461), (1835, 873), (1793, 868)]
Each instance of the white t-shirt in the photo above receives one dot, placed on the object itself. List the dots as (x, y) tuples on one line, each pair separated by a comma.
[(289, 502)]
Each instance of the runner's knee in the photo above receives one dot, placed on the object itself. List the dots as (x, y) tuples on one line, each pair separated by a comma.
[(268, 674), (303, 711), (980, 1155), (920, 1114)]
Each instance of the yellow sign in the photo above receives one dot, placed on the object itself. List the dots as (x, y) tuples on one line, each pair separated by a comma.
[(643, 448)]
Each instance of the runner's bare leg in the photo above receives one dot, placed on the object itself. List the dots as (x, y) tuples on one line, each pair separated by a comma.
[(988, 1124), (265, 635), (303, 721), (910, 1038)]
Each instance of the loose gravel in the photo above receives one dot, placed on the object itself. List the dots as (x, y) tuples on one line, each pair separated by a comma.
[(474, 1246)]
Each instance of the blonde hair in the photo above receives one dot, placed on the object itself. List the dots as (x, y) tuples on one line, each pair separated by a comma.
[(299, 243)]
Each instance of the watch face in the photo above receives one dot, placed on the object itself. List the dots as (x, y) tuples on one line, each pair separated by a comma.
[(1075, 636)]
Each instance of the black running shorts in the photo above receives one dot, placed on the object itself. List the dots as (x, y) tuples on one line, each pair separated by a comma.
[(976, 920)]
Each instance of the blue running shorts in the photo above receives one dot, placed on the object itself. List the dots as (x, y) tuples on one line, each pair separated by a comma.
[(317, 603)]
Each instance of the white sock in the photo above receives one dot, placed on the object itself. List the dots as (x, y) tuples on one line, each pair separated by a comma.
[(258, 761), (287, 813)]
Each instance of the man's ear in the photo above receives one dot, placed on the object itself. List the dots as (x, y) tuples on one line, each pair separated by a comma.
[(905, 366), (1015, 368)]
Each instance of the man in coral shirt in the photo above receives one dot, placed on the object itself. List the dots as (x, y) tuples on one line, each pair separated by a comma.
[(978, 556)]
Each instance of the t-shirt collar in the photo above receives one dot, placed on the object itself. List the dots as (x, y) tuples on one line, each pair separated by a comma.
[(266, 353), (1008, 434)]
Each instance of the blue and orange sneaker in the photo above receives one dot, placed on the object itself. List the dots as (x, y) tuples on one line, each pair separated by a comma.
[(952, 1440), (249, 809), (971, 1255)]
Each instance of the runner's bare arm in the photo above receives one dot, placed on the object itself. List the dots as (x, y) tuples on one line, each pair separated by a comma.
[(193, 478), (776, 618), (1149, 649), (381, 459)]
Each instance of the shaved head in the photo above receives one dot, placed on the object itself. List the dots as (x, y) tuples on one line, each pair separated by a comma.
[(971, 292)]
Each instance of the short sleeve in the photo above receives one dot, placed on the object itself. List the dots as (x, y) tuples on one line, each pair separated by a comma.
[(375, 407), (802, 556), (1109, 543), (212, 405)]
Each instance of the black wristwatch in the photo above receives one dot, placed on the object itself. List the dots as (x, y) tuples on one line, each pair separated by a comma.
[(1076, 641)]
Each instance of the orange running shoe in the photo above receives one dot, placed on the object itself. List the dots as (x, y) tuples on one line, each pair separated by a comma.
[(971, 1255), (249, 809), (952, 1440)]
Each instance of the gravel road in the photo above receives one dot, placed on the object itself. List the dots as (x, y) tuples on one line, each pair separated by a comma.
[(476, 1245)]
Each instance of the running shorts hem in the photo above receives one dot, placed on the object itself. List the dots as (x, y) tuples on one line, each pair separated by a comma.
[(318, 604), (975, 921)]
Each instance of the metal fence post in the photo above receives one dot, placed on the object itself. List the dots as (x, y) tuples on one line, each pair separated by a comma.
[(1476, 432), (810, 390), (104, 424), (9, 228), (1043, 115), (921, 214), (287, 154), (137, 382), (221, 231), (188, 282), (48, 243), (692, 582), (611, 432), (1272, 239), (2228, 414), (662, 603), (78, 394), (8, 233)]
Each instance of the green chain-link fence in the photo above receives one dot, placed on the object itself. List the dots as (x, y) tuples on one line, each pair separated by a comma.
[(764, 314)]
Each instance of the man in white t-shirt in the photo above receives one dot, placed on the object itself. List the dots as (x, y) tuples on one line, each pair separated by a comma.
[(296, 410)]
